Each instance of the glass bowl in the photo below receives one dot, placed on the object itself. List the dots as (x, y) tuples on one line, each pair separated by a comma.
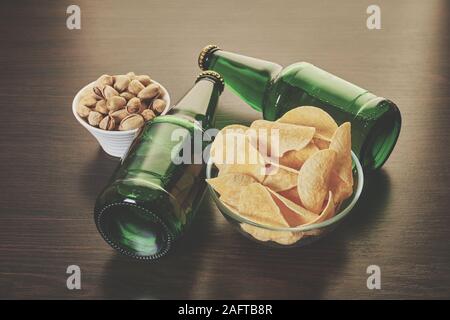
[(294, 236)]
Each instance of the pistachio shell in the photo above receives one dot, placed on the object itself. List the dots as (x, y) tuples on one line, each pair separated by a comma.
[(148, 114), (121, 83), (132, 121), (144, 79), (115, 103), (134, 102), (88, 100), (158, 105), (108, 123), (131, 75), (119, 115), (127, 95), (105, 80), (101, 107), (82, 110), (98, 92), (94, 118), (109, 92), (149, 92), (135, 87)]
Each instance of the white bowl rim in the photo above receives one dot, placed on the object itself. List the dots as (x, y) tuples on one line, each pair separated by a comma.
[(341, 214), (116, 133)]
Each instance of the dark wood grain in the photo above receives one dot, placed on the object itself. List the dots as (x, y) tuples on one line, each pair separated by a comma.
[(51, 169)]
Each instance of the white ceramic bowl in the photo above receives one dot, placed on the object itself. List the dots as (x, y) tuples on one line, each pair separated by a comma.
[(114, 143)]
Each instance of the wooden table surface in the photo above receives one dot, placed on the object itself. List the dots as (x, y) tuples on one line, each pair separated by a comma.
[(51, 168)]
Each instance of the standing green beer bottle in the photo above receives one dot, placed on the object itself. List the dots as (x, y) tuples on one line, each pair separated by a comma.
[(152, 197), (274, 90)]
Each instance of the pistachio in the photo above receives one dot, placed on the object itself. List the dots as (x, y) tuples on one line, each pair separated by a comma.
[(158, 105), (105, 80), (115, 103), (101, 107), (132, 121), (109, 92), (94, 118), (88, 100), (127, 95), (149, 92), (119, 115), (131, 75), (144, 79), (121, 83), (135, 87), (98, 92), (134, 102), (148, 114), (82, 110), (108, 123)]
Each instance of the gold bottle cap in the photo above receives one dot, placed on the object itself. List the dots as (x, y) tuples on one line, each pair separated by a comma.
[(212, 75), (204, 53)]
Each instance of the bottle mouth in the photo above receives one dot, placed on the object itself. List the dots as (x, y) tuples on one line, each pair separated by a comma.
[(203, 56), (134, 231), (381, 139)]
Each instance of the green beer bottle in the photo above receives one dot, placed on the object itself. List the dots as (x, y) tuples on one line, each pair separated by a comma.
[(151, 199), (274, 90)]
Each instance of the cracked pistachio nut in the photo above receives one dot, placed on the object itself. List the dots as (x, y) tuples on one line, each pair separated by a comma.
[(128, 96), (98, 92), (135, 87), (119, 115), (88, 100), (144, 79), (149, 92), (158, 105), (109, 92), (105, 80), (108, 123), (132, 121), (82, 110), (121, 83), (100, 106), (94, 118), (148, 114), (115, 103)]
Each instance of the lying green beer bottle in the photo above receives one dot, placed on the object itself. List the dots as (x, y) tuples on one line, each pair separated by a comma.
[(274, 90), (151, 199)]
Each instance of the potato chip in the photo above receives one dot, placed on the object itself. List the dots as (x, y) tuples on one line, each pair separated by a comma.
[(227, 185), (281, 237), (229, 182), (232, 152), (294, 214), (341, 189), (257, 204), (219, 142), (296, 158), (311, 117), (327, 212), (321, 143), (289, 136), (291, 195), (280, 178), (341, 143), (313, 179)]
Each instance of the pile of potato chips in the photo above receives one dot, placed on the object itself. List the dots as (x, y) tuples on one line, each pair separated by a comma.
[(293, 172)]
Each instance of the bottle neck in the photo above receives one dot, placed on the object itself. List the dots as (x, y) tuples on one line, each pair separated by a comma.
[(199, 103), (247, 77)]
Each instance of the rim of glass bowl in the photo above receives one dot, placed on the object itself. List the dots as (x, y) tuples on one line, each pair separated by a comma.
[(342, 213)]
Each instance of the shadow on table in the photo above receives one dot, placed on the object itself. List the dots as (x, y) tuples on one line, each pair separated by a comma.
[(214, 261), (97, 172)]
